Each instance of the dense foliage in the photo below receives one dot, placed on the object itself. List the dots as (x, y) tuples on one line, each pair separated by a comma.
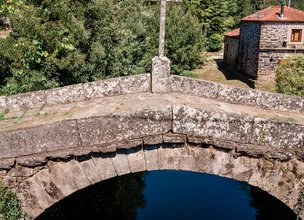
[(9, 208), (290, 76), (61, 42)]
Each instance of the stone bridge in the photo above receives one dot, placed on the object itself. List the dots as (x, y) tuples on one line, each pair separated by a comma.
[(56, 142)]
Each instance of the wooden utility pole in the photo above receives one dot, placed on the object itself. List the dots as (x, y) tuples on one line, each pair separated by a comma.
[(162, 24)]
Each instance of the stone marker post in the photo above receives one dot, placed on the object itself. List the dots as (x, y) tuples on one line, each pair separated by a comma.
[(161, 64)]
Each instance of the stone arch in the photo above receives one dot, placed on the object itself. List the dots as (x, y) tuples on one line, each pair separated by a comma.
[(61, 178)]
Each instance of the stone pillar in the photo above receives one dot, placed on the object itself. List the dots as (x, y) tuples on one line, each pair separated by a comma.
[(160, 74)]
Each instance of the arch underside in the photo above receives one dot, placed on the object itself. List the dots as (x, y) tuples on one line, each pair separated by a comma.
[(60, 178)]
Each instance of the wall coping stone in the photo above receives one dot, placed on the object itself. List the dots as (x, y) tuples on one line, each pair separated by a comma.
[(142, 83)]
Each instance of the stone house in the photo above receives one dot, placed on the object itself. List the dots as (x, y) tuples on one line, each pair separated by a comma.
[(263, 40)]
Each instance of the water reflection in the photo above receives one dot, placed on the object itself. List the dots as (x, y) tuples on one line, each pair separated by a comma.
[(116, 198), (169, 195)]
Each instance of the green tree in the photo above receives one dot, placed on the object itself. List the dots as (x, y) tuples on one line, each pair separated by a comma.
[(217, 17), (290, 76), (62, 42)]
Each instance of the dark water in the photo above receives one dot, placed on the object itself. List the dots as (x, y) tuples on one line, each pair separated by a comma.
[(166, 195)]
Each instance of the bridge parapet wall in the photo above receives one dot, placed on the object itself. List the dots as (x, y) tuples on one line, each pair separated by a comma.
[(234, 95), (78, 92), (142, 83)]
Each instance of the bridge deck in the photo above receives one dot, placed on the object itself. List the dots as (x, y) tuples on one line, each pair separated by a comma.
[(131, 102)]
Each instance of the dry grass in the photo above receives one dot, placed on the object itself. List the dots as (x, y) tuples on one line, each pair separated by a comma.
[(209, 71)]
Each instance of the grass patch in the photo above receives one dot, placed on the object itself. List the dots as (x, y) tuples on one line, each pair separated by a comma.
[(210, 71), (2, 116), (188, 73), (9, 206)]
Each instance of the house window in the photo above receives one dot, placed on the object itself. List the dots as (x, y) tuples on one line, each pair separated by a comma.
[(296, 35)]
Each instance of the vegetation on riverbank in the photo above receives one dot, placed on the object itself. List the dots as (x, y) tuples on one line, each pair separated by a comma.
[(9, 207)]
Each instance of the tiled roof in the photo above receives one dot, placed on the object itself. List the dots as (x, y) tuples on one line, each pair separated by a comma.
[(235, 33), (272, 13)]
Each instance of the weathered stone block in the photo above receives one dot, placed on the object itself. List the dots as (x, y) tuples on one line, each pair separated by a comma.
[(135, 84), (151, 157), (239, 128), (201, 158), (31, 160), (166, 158), (9, 181), (184, 159), (43, 138), (124, 126), (174, 138), (90, 171), (2, 104), (104, 167), (6, 164), (252, 150), (282, 155), (277, 134), (282, 102), (200, 140), (98, 89), (153, 140), (20, 172), (238, 95), (43, 180), (65, 94), (62, 179), (25, 101), (130, 144), (121, 163), (136, 158), (160, 74), (78, 176), (34, 200), (199, 122), (194, 87)]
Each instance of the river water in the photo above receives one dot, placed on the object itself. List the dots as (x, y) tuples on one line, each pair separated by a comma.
[(170, 195)]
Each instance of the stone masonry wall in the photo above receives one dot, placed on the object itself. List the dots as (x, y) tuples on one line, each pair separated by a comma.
[(231, 51), (249, 48), (244, 148), (274, 34), (40, 187), (78, 92), (234, 95), (272, 48)]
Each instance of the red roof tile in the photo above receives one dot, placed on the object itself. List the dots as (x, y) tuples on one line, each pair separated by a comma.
[(272, 13), (234, 33)]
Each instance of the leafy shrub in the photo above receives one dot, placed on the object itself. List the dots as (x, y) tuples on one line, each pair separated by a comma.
[(215, 42), (290, 76), (9, 207)]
